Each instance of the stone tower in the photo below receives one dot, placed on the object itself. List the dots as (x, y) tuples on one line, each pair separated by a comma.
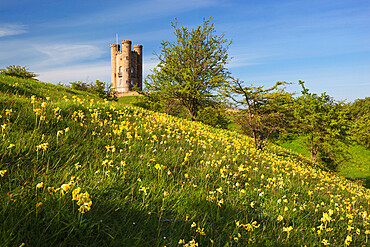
[(126, 67)]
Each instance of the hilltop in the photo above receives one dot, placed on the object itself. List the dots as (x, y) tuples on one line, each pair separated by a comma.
[(79, 171)]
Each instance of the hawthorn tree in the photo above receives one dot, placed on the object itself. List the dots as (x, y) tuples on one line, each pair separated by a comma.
[(323, 123), (261, 112), (191, 68)]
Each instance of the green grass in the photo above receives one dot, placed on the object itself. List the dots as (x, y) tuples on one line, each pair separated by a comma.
[(356, 168), (128, 100), (156, 180)]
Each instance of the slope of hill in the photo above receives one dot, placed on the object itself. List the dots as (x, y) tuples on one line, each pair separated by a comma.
[(78, 171)]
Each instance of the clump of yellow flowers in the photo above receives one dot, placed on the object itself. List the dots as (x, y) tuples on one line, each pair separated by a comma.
[(83, 200)]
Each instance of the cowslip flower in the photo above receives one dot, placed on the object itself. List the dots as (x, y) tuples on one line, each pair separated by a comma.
[(40, 185), (280, 218), (65, 188), (2, 172), (10, 146), (348, 240), (325, 242), (84, 202)]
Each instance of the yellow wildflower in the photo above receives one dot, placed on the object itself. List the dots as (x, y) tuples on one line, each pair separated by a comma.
[(75, 194), (280, 218), (325, 242), (348, 240), (40, 185), (11, 146), (287, 229), (65, 187), (2, 172)]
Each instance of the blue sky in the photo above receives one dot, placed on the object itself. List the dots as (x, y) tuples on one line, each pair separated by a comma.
[(323, 42)]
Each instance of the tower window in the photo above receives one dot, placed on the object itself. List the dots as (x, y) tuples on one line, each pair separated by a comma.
[(120, 69), (132, 70), (121, 82)]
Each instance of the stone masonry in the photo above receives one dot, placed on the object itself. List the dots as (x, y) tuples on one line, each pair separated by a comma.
[(126, 68)]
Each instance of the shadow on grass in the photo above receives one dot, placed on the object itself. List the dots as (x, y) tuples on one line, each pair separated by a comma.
[(362, 181)]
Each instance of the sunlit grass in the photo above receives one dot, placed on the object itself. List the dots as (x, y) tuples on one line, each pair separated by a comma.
[(79, 171)]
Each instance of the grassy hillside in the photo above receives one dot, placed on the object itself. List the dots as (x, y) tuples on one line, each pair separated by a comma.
[(356, 168), (78, 171)]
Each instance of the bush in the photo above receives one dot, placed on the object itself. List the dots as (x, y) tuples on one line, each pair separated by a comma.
[(214, 116), (99, 88), (18, 71)]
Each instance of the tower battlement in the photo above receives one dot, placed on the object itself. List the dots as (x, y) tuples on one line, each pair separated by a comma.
[(126, 67)]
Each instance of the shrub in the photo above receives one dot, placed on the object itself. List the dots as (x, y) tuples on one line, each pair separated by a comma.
[(18, 71)]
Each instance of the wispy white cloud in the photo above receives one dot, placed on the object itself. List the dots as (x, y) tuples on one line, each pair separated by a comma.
[(64, 53), (11, 29), (84, 72)]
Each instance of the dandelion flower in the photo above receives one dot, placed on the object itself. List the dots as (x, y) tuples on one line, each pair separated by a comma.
[(40, 185)]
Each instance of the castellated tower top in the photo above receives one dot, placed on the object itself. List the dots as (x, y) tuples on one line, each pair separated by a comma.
[(126, 67)]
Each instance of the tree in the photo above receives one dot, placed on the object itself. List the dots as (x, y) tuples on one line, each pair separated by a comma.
[(18, 71), (359, 118), (261, 111), (191, 68), (324, 124)]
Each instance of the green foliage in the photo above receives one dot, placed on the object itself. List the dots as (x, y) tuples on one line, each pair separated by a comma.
[(359, 115), (190, 68), (262, 112), (361, 130), (99, 88), (324, 124), (153, 102), (18, 71), (215, 116)]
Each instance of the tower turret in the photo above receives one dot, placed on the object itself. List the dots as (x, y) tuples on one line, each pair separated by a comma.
[(139, 65), (126, 65), (114, 48)]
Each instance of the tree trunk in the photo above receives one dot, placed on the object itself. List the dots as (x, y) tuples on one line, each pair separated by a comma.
[(314, 150)]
